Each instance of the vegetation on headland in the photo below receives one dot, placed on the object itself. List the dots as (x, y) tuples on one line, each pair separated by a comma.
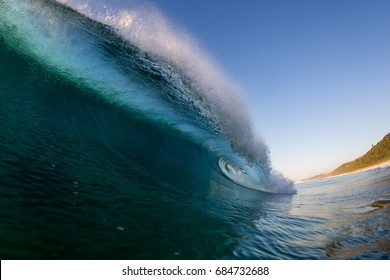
[(376, 155)]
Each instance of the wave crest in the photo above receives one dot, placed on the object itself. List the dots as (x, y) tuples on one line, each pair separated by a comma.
[(152, 32)]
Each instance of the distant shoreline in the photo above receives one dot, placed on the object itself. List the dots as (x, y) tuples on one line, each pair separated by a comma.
[(378, 155), (327, 175)]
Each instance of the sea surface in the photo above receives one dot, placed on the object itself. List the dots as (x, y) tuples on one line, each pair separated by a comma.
[(121, 139)]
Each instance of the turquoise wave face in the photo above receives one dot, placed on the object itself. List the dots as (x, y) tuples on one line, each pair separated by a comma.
[(109, 151), (177, 113)]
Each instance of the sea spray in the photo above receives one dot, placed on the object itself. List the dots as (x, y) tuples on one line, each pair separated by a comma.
[(152, 32)]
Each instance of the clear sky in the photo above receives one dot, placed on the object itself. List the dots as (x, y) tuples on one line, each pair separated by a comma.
[(315, 74)]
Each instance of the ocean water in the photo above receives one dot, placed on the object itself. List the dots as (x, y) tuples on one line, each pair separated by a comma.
[(121, 139)]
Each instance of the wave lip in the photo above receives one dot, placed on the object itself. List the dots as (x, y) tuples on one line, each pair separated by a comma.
[(152, 32)]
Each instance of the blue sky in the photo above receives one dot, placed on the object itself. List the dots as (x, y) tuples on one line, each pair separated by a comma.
[(315, 74)]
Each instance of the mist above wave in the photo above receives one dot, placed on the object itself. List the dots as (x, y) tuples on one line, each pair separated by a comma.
[(148, 28)]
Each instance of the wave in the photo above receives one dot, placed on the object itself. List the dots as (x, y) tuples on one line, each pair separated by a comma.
[(133, 58)]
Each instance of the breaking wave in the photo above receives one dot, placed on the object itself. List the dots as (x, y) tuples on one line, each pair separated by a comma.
[(181, 109)]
